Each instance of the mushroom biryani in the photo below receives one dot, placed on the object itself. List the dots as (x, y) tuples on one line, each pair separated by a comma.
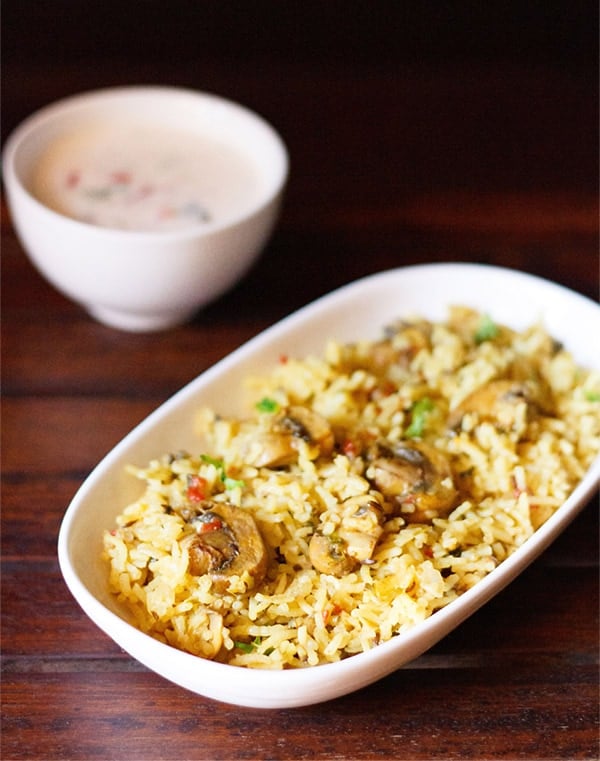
[(364, 490)]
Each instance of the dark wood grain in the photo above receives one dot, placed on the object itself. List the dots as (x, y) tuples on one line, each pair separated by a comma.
[(415, 136)]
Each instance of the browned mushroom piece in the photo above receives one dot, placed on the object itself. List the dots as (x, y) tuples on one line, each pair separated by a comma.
[(227, 543), (273, 449), (416, 477), (304, 423), (329, 554), (404, 341), (355, 540), (279, 446), (499, 402)]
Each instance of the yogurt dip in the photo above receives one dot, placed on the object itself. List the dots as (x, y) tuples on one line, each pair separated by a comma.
[(135, 176)]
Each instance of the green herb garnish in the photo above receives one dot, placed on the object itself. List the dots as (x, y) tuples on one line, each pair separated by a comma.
[(248, 647), (420, 411), (228, 482), (267, 405), (219, 465), (592, 396), (487, 330), (233, 483)]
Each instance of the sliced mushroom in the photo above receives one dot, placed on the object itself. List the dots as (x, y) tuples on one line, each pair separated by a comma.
[(279, 446), (306, 424), (227, 543), (360, 526), (403, 342), (416, 477), (499, 402), (273, 450), (355, 540), (329, 554)]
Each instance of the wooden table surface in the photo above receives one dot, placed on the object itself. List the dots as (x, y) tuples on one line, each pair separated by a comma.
[(395, 159)]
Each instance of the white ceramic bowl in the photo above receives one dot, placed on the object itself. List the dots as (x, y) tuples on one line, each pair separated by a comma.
[(355, 311), (134, 280)]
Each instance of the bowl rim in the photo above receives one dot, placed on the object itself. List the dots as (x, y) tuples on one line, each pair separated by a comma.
[(45, 115)]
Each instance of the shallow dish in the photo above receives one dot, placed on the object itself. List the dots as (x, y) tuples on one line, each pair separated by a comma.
[(358, 310)]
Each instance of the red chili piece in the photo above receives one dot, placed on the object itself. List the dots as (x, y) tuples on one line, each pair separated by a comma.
[(214, 525), (197, 488)]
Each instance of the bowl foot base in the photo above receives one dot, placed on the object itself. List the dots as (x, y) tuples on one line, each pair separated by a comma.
[(138, 323)]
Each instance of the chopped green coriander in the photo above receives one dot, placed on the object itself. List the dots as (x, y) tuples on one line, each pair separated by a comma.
[(232, 483), (208, 460), (487, 330), (267, 404), (592, 396), (246, 647), (228, 482), (419, 414)]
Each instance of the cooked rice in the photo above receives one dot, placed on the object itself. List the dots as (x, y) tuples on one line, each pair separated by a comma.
[(510, 479)]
